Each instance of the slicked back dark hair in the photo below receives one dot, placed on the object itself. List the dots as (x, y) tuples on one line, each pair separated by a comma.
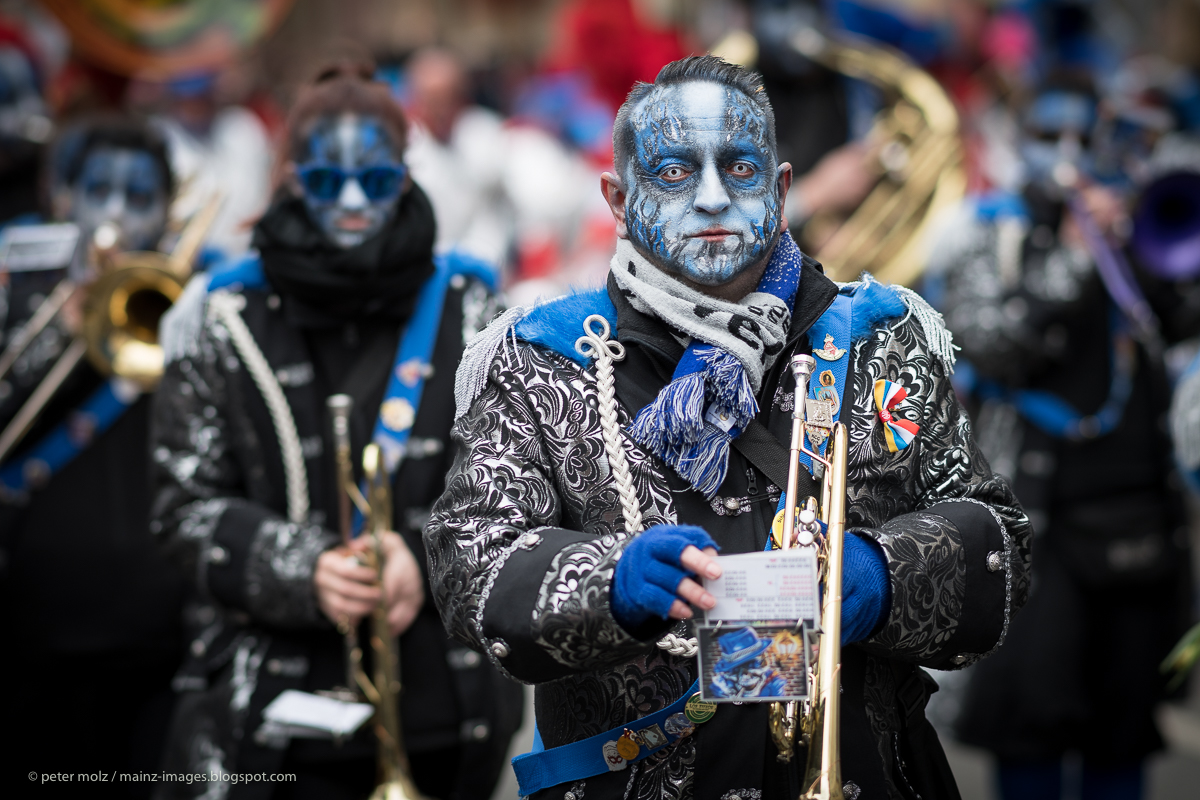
[(686, 70)]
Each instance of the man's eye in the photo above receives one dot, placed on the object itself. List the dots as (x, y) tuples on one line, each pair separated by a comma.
[(741, 169), (673, 174)]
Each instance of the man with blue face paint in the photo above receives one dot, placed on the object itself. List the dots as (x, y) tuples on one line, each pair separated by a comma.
[(591, 493), (343, 295), (92, 603), (1070, 380), (351, 175)]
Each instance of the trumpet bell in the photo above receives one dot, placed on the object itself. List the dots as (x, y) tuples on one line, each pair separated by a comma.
[(120, 319), (1166, 227)]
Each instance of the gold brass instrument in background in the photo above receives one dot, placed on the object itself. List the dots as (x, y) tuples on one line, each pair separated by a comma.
[(819, 728), (916, 147), (383, 692), (121, 311)]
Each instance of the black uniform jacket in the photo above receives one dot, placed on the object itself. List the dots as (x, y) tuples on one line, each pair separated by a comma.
[(1031, 312), (90, 607), (221, 511), (525, 541)]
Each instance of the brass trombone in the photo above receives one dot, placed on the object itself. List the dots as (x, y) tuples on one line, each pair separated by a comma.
[(383, 692), (820, 727), (121, 312)]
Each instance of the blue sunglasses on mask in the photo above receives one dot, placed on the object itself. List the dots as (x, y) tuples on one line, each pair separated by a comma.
[(378, 182)]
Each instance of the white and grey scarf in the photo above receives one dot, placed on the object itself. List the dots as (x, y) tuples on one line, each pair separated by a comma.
[(711, 397)]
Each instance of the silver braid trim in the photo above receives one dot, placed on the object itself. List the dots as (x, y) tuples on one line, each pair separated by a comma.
[(225, 307), (1008, 577), (595, 343), (472, 374), (938, 337)]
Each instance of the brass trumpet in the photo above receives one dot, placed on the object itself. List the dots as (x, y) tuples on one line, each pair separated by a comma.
[(121, 312), (819, 728), (383, 691)]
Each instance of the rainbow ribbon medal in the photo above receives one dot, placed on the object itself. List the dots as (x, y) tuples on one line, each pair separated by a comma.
[(898, 432)]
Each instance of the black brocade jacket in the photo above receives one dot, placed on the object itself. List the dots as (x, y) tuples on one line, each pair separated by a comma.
[(1031, 312), (255, 627), (524, 543)]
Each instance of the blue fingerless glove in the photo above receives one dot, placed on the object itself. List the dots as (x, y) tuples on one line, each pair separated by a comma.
[(866, 594), (649, 572)]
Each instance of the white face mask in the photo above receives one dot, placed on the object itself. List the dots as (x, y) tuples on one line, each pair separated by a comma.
[(125, 188)]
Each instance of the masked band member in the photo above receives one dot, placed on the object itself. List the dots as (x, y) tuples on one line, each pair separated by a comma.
[(708, 298), (1070, 384), (343, 280), (89, 603)]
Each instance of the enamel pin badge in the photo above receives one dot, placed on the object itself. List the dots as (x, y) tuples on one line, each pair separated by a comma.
[(830, 352)]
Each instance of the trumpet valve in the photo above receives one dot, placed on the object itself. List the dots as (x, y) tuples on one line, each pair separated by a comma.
[(806, 527)]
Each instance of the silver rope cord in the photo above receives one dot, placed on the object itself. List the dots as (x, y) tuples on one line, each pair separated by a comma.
[(595, 343), (225, 307)]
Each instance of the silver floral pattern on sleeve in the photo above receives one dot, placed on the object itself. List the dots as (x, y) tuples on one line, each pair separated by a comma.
[(279, 572), (928, 578), (573, 620), (532, 456), (924, 551)]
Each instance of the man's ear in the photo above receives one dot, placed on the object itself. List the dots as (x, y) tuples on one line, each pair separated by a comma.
[(292, 180), (783, 182), (614, 195)]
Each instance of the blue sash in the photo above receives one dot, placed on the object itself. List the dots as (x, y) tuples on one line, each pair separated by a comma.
[(836, 323), (68, 439), (414, 356)]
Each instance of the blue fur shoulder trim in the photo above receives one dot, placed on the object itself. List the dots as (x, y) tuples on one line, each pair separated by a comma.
[(456, 262), (870, 303), (244, 272), (556, 325)]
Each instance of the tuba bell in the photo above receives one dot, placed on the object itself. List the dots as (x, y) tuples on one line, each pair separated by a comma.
[(121, 311), (1166, 226)]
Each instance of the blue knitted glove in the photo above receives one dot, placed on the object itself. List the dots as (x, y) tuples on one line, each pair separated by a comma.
[(649, 572), (866, 594)]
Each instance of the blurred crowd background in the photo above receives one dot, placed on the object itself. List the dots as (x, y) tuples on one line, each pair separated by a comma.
[(512, 100), (511, 104)]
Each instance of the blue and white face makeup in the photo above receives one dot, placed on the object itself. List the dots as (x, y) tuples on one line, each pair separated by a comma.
[(702, 197), (1052, 145), (124, 187), (351, 177)]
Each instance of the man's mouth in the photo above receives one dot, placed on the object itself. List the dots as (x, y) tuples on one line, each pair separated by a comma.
[(353, 222), (712, 234)]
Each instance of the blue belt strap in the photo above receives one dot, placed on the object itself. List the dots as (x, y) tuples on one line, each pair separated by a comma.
[(1058, 418), (68, 439), (540, 768)]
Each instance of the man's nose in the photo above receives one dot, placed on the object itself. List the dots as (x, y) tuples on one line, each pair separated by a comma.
[(711, 196), (114, 206), (352, 196)]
